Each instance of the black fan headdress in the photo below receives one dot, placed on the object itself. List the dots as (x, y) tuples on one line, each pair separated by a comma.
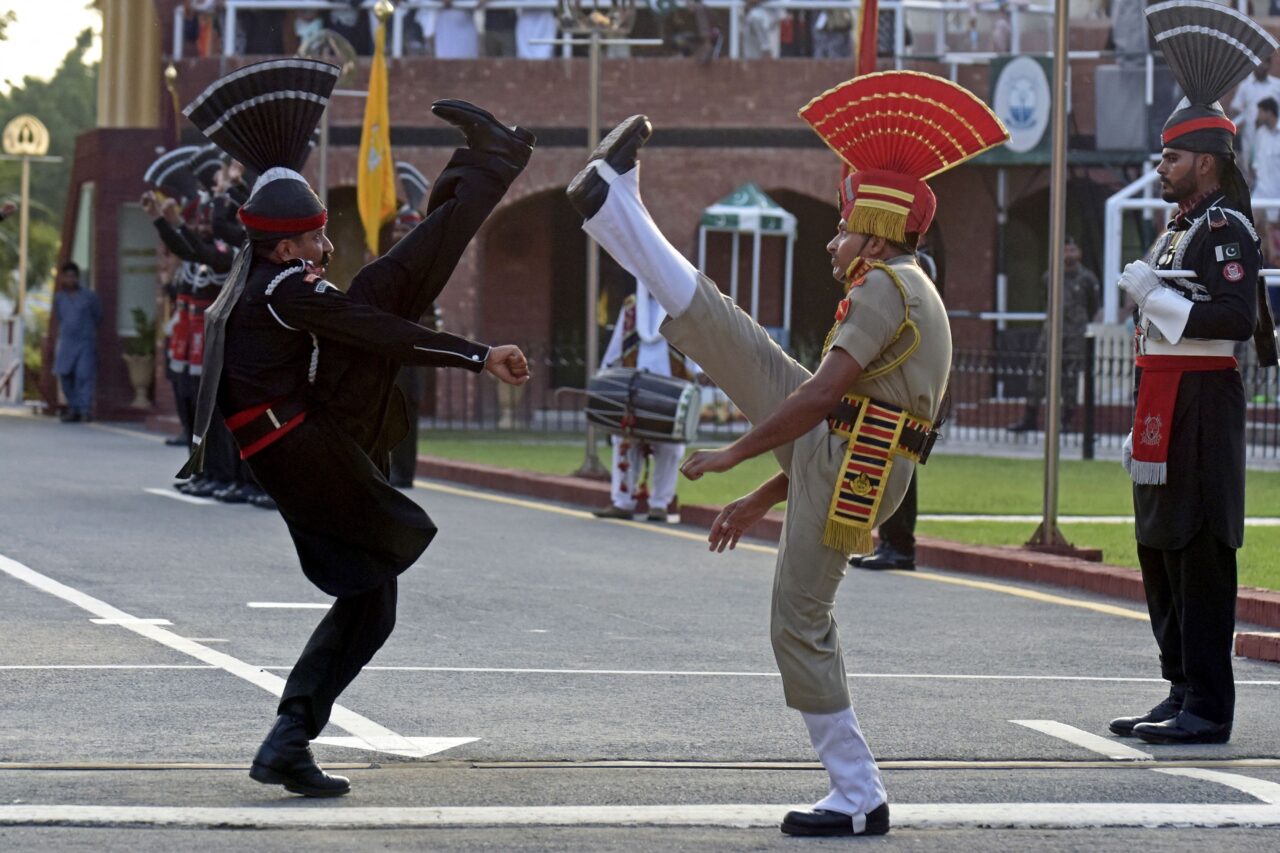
[(205, 164), (1210, 48), (171, 174), (264, 115), (415, 187)]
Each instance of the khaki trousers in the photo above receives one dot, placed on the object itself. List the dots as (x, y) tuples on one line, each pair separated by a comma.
[(740, 357)]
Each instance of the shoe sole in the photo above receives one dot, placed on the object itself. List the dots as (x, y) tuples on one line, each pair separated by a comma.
[(267, 776), (1156, 739), (834, 832), (518, 132), (613, 141)]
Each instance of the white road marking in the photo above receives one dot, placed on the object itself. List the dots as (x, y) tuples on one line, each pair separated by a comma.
[(1268, 792), (733, 815), (421, 745), (1094, 743), (110, 666), (132, 620), (291, 605), (344, 718), (1071, 519), (179, 496)]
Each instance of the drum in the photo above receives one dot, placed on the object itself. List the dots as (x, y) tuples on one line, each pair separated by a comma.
[(643, 405)]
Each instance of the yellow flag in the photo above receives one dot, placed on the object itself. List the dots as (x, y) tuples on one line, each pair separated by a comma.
[(375, 179)]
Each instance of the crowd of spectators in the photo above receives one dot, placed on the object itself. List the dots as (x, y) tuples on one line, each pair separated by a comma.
[(686, 27)]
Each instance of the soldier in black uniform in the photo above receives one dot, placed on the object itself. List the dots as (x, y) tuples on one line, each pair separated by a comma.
[(1186, 452), (304, 372)]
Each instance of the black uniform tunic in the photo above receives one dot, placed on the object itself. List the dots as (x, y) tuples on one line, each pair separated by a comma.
[(1189, 528)]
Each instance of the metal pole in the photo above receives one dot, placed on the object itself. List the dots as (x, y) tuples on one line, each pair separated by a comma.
[(22, 236), (1048, 535), (591, 465)]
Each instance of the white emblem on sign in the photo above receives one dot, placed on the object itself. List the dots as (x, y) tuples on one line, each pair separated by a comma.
[(1022, 101)]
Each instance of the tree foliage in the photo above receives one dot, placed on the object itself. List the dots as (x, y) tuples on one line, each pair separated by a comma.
[(67, 104)]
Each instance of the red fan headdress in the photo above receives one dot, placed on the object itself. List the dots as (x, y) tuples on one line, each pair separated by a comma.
[(894, 130)]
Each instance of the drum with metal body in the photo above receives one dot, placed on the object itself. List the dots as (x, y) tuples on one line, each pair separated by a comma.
[(644, 405)]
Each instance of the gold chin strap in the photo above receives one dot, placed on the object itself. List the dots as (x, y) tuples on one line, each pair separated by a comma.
[(907, 323)]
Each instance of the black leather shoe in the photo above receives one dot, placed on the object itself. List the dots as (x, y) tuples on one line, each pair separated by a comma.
[(234, 493), (587, 191), (484, 132), (262, 500), (888, 557), (285, 759), (206, 488), (1184, 728), (1166, 710), (827, 822)]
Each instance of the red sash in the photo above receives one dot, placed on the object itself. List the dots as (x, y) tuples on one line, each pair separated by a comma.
[(1153, 415)]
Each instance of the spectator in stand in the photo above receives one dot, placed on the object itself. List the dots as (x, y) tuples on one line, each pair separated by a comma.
[(1264, 171), (353, 25), (499, 30), (1002, 30), (1244, 105), (455, 31), (833, 34), (7, 209), (761, 37), (200, 24), (534, 25), (260, 32), (303, 24)]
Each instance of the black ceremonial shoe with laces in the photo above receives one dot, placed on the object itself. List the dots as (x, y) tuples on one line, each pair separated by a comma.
[(587, 191), (1166, 710), (285, 759)]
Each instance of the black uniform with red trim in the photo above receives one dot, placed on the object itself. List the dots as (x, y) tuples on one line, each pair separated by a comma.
[(1189, 527), (1205, 483)]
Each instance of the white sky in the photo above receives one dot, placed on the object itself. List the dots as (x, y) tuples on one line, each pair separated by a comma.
[(44, 32)]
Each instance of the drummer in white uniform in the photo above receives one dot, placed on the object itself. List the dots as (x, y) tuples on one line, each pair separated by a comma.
[(638, 344)]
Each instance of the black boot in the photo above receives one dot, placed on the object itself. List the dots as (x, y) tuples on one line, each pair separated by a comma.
[(588, 190), (485, 133), (1166, 710), (285, 759)]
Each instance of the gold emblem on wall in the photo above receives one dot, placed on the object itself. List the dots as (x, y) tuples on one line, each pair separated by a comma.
[(26, 136)]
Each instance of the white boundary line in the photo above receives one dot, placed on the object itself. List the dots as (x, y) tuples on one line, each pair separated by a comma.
[(734, 815), (361, 727), (179, 496), (1257, 521), (1105, 747), (1268, 792)]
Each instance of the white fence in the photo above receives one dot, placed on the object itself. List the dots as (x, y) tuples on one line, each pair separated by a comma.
[(11, 361)]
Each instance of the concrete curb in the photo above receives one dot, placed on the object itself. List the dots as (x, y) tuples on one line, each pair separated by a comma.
[(1261, 607)]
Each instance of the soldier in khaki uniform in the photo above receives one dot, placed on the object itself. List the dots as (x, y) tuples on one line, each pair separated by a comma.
[(847, 437)]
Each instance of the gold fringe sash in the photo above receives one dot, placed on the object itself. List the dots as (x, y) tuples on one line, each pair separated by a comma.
[(874, 441)]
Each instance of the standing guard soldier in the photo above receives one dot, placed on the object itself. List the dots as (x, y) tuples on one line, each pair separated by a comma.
[(1186, 451), (847, 437), (304, 372)]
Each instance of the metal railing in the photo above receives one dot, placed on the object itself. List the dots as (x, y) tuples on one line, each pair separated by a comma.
[(990, 390), (946, 12)]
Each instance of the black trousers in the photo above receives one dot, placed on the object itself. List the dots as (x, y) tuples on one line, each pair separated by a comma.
[(345, 640), (1191, 596), (184, 402), (405, 282), (899, 529)]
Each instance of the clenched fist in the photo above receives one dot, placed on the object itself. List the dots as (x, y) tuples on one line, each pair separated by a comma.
[(508, 364)]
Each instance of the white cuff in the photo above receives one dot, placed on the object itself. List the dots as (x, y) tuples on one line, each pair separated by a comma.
[(1169, 311)]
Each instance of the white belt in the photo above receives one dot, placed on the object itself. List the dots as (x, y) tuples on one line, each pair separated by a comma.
[(1189, 346)]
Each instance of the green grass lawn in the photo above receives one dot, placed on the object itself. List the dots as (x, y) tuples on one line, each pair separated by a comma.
[(956, 485)]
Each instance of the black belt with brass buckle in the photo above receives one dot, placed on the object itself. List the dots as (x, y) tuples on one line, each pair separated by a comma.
[(271, 420), (918, 443)]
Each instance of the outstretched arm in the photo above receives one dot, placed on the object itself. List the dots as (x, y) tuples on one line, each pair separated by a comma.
[(807, 406), (738, 517)]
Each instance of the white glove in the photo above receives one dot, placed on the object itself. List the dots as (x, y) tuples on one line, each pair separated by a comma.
[(1139, 281), (1126, 452)]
